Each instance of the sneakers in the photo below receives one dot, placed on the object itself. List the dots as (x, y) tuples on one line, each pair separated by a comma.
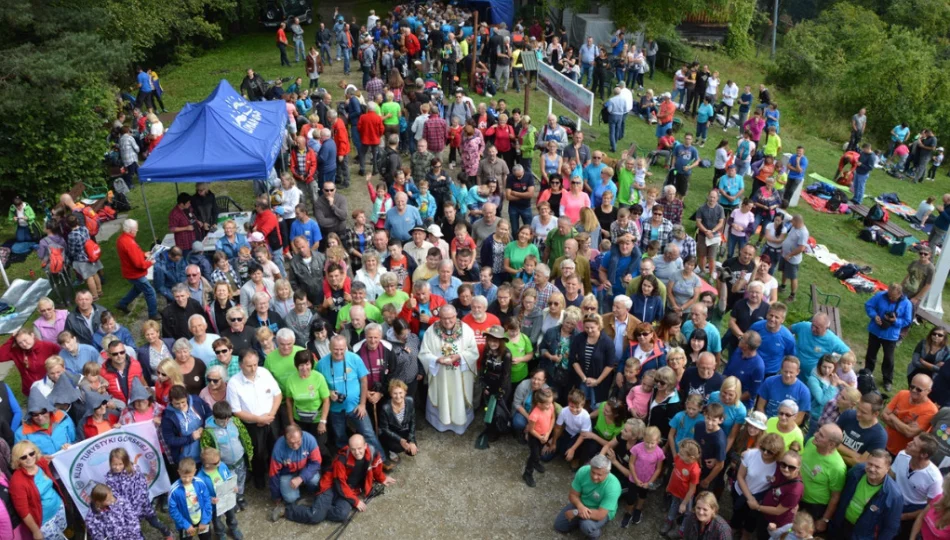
[(637, 517), (888, 387), (791, 298), (625, 522), (277, 512), (528, 479)]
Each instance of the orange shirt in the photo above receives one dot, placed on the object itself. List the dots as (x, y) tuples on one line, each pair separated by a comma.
[(543, 420), (907, 412), (683, 476)]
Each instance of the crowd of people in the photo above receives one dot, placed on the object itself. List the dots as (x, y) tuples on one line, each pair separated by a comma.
[(303, 350)]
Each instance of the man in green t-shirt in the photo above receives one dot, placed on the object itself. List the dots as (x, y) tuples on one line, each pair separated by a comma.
[(554, 244), (823, 472), (280, 362), (871, 501), (358, 296), (593, 499), (390, 111)]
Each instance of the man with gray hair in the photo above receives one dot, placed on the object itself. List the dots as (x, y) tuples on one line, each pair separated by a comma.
[(542, 284), (134, 267), (668, 264), (199, 288), (326, 157), (280, 361), (519, 190), (620, 326), (486, 226), (353, 330), (379, 359), (592, 499)]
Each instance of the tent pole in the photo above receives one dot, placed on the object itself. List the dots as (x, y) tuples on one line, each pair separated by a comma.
[(149, 212), (471, 74)]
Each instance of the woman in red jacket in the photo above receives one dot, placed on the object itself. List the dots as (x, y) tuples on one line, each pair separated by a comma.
[(370, 128), (29, 355), (34, 493)]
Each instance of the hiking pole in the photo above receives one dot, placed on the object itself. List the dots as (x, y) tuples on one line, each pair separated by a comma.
[(378, 489)]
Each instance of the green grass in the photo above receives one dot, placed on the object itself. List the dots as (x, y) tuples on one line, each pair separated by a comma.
[(192, 81)]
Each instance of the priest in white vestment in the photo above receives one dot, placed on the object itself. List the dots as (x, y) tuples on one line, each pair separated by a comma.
[(450, 356)]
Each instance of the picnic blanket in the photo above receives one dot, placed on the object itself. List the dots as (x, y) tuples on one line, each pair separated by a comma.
[(899, 209), (817, 203), (858, 279), (824, 180)]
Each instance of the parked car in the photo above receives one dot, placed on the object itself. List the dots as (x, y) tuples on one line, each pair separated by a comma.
[(276, 11)]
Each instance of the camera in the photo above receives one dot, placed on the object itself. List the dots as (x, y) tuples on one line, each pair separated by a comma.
[(340, 398), (888, 319)]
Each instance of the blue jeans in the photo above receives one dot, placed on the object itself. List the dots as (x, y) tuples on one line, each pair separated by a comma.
[(143, 287), (702, 128), (860, 180), (290, 494), (736, 241), (623, 126), (514, 213), (325, 52), (518, 423), (363, 426), (300, 52), (231, 517), (278, 256), (678, 93), (588, 527), (614, 125), (346, 61), (587, 70)]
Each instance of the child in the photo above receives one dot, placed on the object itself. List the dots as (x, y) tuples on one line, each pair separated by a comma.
[(108, 517), (646, 466), (263, 256), (935, 164), (97, 420), (390, 313), (189, 503), (522, 350), (638, 399), (574, 420), (526, 274), (683, 425), (802, 528), (455, 141), (845, 369), (485, 287), (242, 263), (214, 474), (227, 434), (625, 382), (517, 288), (683, 482), (712, 441), (461, 240), (623, 225), (540, 426), (477, 196), (131, 486), (381, 200), (640, 173), (653, 248), (427, 206)]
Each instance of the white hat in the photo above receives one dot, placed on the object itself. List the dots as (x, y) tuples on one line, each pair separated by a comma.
[(256, 236), (435, 230), (756, 419)]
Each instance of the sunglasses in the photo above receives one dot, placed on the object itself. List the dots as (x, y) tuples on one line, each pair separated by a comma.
[(554, 303), (213, 381), (329, 190), (644, 333), (939, 335), (236, 319), (915, 388), (786, 415), (590, 309), (25, 457), (788, 467), (767, 451), (160, 374), (222, 351), (117, 353), (596, 157), (578, 183)]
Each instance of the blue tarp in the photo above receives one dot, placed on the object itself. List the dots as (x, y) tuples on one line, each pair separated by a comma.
[(225, 137), (499, 11)]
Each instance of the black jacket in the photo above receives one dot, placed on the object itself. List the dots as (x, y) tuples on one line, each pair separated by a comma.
[(391, 430), (254, 88), (496, 373), (272, 317), (175, 319), (205, 208), (308, 278), (77, 325), (604, 356), (661, 414)]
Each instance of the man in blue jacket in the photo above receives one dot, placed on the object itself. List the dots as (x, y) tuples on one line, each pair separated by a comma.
[(889, 312), (871, 503), (169, 270), (294, 465)]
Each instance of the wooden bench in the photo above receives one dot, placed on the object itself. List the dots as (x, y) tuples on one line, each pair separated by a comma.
[(932, 319), (825, 307), (860, 211)]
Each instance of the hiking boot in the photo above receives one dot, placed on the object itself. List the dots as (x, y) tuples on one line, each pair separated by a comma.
[(528, 479), (277, 512), (625, 522), (539, 467), (637, 517)]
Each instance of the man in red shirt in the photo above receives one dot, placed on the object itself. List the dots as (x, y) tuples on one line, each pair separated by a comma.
[(134, 268), (342, 140), (370, 128), (266, 223), (181, 221), (479, 320), (282, 44)]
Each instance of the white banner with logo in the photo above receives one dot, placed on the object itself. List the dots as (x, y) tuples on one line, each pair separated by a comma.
[(85, 464)]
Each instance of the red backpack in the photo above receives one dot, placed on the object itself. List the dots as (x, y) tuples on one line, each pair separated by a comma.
[(93, 251), (91, 222), (56, 262)]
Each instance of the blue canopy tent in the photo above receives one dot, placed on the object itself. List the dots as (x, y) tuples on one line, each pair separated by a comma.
[(225, 137), (497, 11)]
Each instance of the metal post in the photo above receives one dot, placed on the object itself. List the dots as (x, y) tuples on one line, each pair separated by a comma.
[(474, 50), (149, 212), (774, 28), (933, 300)]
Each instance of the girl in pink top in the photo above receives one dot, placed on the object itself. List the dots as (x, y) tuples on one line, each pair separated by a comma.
[(646, 466), (934, 522), (575, 199), (638, 400), (540, 425)]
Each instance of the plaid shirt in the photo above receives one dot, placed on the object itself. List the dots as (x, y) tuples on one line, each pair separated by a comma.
[(672, 210), (178, 218), (830, 414), (435, 132), (544, 293), (687, 246), (617, 230), (128, 150), (76, 245), (233, 368), (374, 86), (229, 276), (663, 234)]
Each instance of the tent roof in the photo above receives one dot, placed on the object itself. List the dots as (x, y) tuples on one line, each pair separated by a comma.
[(501, 11), (225, 137)]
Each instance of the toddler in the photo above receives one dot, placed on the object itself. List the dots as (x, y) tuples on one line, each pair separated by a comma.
[(683, 482), (263, 256), (540, 426), (653, 249), (427, 206), (462, 240), (646, 466), (108, 516), (382, 202), (455, 141), (189, 503), (845, 369), (130, 485), (802, 528), (242, 262), (638, 398), (624, 382)]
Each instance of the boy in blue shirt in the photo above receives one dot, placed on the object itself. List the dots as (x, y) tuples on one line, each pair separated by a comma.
[(189, 503), (683, 425), (712, 442)]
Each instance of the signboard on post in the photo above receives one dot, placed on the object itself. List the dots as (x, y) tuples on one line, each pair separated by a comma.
[(573, 96)]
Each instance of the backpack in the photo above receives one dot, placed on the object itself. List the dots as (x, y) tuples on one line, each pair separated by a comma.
[(93, 251), (837, 199), (91, 223), (56, 261), (866, 384), (604, 114), (384, 162), (877, 213), (847, 271), (491, 88)]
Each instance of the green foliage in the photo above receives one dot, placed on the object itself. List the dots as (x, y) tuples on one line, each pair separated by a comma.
[(739, 41), (926, 17)]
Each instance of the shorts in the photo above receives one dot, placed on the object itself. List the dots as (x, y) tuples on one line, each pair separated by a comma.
[(789, 270), (87, 269), (702, 250)]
